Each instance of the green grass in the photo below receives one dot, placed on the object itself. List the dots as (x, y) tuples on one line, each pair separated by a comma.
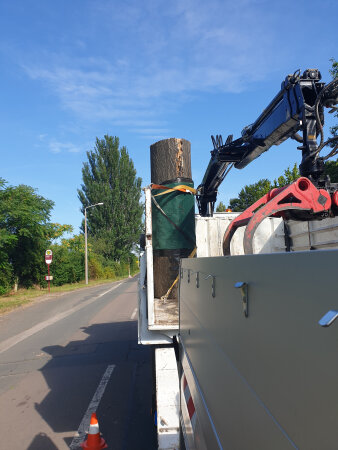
[(23, 297), (7, 304)]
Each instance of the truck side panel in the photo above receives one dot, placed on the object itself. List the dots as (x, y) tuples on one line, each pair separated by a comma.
[(268, 380), (315, 235)]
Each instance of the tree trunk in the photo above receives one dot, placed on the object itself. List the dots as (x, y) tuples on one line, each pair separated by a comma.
[(170, 161)]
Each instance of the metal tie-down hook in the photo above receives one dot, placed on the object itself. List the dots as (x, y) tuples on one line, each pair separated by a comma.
[(245, 300), (191, 272), (213, 287)]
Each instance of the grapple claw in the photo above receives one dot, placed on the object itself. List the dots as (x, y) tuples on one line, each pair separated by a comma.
[(301, 195)]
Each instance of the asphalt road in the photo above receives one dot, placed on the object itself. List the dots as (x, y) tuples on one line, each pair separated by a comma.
[(66, 356)]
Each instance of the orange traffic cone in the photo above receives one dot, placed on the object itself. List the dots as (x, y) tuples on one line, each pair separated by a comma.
[(94, 440)]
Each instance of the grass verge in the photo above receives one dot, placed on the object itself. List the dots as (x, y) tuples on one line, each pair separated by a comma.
[(25, 297)]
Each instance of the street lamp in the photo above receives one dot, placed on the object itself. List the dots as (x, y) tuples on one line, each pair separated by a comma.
[(86, 249)]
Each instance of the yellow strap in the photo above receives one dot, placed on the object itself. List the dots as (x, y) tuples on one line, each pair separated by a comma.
[(165, 297), (181, 187)]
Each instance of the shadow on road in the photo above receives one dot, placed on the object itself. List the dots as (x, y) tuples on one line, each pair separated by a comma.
[(42, 441), (74, 373)]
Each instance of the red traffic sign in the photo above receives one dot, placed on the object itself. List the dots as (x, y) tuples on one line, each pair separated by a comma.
[(49, 277), (48, 256)]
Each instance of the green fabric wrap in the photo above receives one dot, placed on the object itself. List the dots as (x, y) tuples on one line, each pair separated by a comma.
[(180, 208)]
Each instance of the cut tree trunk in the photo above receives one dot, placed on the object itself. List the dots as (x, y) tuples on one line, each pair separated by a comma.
[(170, 161)]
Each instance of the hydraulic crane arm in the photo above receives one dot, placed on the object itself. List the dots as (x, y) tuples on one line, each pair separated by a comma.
[(298, 106)]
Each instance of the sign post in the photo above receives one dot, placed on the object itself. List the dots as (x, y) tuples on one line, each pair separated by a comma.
[(48, 260)]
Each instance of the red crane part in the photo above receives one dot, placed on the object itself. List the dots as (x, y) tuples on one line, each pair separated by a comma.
[(335, 199), (300, 195)]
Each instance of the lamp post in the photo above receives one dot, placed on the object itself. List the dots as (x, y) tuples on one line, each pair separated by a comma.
[(86, 248)]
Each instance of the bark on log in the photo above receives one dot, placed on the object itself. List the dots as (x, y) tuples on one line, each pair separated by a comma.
[(170, 159)]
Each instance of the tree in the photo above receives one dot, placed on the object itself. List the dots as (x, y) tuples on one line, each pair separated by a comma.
[(68, 260), (290, 175), (331, 169), (109, 176), (57, 230), (253, 192), (24, 232), (221, 207), (250, 194)]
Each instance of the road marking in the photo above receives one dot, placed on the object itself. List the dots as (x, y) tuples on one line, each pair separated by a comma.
[(134, 314), (8, 343), (93, 405)]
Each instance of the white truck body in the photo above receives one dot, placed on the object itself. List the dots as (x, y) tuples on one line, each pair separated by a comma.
[(255, 368)]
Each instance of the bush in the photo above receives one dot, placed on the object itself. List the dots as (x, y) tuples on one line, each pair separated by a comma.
[(6, 277), (67, 266), (95, 269), (134, 264), (99, 267), (4, 290), (109, 273)]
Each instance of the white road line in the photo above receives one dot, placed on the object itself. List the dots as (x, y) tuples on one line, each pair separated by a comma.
[(93, 405), (8, 343), (134, 314)]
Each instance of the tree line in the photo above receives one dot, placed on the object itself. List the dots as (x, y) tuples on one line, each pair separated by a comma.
[(26, 231), (109, 177)]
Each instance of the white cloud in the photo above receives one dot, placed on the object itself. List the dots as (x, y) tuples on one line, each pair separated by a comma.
[(166, 53), (58, 147)]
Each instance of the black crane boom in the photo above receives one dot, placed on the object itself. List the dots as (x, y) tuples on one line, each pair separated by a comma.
[(298, 106)]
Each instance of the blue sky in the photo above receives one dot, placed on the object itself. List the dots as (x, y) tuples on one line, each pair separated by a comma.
[(145, 71)]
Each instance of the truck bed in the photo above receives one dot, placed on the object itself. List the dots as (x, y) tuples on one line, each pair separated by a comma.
[(166, 312)]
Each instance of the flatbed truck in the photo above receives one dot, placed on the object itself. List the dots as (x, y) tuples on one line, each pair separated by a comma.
[(246, 356)]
